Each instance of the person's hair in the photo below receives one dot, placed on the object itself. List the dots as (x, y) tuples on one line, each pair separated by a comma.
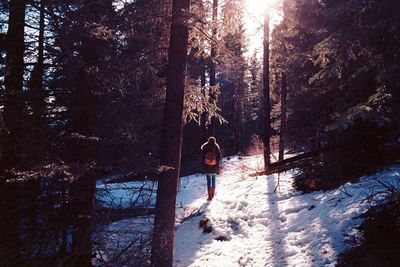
[(212, 140)]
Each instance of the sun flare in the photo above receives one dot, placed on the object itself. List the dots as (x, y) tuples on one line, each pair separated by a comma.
[(259, 5), (255, 11)]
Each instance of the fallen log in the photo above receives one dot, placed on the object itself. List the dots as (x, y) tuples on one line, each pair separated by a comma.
[(296, 161), (290, 163), (114, 214), (132, 178)]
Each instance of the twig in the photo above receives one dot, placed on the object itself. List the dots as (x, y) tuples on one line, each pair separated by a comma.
[(372, 196), (278, 185), (344, 191), (193, 214)]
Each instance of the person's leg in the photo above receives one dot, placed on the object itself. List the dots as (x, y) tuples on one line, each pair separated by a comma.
[(208, 176), (213, 177), (209, 184)]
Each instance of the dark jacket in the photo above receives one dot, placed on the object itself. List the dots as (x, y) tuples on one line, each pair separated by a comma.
[(206, 147)]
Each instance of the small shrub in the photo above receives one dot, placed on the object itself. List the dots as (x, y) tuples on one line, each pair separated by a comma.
[(356, 153)]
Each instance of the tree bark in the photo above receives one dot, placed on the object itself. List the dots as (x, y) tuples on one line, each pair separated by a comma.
[(164, 225), (238, 113), (36, 82), (83, 195), (283, 118), (37, 127), (203, 91), (10, 214), (266, 100), (10, 190), (213, 81), (15, 47), (13, 110)]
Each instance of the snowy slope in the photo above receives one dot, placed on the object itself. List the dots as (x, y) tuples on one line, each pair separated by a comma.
[(263, 228)]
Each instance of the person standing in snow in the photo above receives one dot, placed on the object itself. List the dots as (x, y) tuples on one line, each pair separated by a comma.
[(211, 160)]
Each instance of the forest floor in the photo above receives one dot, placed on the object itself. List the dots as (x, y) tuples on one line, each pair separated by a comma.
[(252, 225)]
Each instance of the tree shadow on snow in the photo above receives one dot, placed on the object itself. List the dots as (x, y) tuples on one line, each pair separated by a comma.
[(277, 237)]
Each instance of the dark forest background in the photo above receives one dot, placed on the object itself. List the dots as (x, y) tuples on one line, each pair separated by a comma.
[(82, 93)]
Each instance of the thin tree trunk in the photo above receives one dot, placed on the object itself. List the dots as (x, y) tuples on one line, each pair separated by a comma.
[(33, 188), (203, 91), (164, 225), (38, 104), (38, 124), (203, 78), (213, 81), (283, 118), (238, 113), (64, 223), (238, 121), (266, 101)]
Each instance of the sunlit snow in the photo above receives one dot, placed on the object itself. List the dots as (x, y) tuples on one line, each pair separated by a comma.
[(266, 228), (263, 228)]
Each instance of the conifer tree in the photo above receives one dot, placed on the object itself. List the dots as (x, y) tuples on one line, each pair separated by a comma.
[(13, 107), (266, 96), (213, 83), (10, 206), (233, 67), (164, 224), (283, 118)]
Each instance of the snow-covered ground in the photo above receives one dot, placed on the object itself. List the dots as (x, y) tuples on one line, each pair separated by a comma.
[(262, 227), (125, 195)]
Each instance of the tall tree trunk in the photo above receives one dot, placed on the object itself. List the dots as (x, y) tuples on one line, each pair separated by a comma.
[(37, 127), (15, 47), (238, 121), (213, 81), (204, 115), (13, 112), (238, 112), (36, 82), (164, 225), (203, 77), (266, 100), (283, 118)]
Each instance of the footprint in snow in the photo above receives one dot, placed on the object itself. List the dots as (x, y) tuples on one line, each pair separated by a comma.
[(234, 225)]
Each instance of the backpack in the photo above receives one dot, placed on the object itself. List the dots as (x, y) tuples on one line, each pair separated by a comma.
[(210, 158)]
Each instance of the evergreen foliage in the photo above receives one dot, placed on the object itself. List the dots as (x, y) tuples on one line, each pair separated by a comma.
[(341, 77), (83, 92), (336, 55)]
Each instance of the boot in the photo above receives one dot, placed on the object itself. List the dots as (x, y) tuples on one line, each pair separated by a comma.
[(210, 194)]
